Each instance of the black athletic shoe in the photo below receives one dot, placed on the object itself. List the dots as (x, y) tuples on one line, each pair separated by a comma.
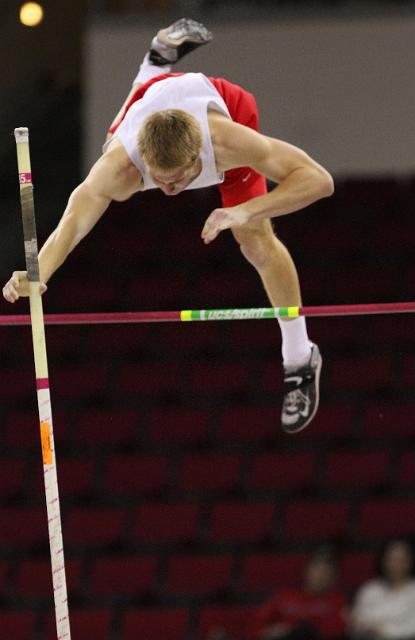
[(173, 42), (301, 394)]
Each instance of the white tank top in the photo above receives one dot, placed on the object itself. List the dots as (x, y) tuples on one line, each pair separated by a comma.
[(191, 92)]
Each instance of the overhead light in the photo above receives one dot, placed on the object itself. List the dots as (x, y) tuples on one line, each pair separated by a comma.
[(31, 14)]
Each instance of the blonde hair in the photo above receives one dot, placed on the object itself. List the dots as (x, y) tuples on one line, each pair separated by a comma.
[(170, 139)]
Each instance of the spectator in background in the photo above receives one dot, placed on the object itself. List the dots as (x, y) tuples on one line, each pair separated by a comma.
[(315, 611), (384, 608)]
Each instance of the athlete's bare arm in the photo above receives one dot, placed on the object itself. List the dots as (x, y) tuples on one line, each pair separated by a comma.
[(300, 179), (113, 177)]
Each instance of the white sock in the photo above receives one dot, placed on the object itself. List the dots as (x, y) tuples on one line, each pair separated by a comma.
[(296, 347), (148, 71)]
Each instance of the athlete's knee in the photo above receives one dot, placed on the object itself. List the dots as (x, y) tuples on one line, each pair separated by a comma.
[(257, 243)]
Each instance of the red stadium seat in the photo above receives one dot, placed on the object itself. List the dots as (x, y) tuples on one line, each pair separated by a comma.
[(34, 578), (157, 290), (136, 474), (333, 420), (215, 287), (246, 336), (155, 624), (264, 572), (220, 377), (119, 576), (249, 423), (78, 381), (282, 471), (85, 624), (173, 425), (389, 420), (358, 470), (405, 469), (3, 578), (108, 427), (75, 476), (316, 520), (365, 372), (355, 568), (18, 383), (209, 472), (196, 336), (386, 518), (150, 378), (11, 477), (241, 522), (359, 283), (159, 523), (95, 293), (119, 341), (198, 574), (232, 621), (409, 371), (17, 625), (94, 526), (62, 342), (24, 526)]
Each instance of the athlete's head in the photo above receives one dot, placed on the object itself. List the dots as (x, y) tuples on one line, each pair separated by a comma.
[(169, 142)]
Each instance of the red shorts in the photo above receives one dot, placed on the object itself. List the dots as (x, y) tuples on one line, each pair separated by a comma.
[(240, 184)]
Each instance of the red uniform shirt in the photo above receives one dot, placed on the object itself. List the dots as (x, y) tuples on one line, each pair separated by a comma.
[(292, 607)]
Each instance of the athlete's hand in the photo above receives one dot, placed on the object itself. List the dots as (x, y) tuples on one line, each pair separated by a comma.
[(221, 219), (18, 286)]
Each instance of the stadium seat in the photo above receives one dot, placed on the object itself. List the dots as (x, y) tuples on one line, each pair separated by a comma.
[(4, 586), (265, 572), (333, 420), (282, 471), (24, 383), (208, 472), (220, 377), (117, 341), (155, 624), (198, 575), (386, 518), (197, 337), (404, 475), (355, 470), (147, 378), (17, 625), (125, 575), (369, 372), (355, 568), (11, 477), (178, 425), (34, 578), (389, 420), (241, 522), (24, 527), (75, 476), (107, 427), (160, 523), (244, 424), (231, 621), (133, 475), (78, 381), (157, 290), (93, 526), (85, 624), (316, 520)]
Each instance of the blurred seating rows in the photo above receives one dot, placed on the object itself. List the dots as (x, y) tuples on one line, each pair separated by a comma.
[(183, 503)]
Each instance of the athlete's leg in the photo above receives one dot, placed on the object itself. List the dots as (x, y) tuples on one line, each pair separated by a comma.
[(302, 359), (271, 259), (167, 48)]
